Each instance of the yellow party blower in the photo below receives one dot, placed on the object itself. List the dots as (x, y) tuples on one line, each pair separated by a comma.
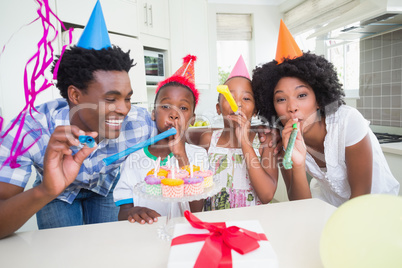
[(224, 90)]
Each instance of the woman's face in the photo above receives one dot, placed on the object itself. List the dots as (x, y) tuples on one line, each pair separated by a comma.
[(294, 98)]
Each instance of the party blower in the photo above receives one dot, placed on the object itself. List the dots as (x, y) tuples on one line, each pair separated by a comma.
[(163, 135), (224, 90), (88, 140), (287, 159)]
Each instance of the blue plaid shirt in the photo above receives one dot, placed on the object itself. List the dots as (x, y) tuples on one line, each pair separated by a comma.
[(93, 175)]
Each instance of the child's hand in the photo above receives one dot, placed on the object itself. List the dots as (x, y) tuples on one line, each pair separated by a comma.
[(299, 150), (177, 145), (242, 127), (142, 215)]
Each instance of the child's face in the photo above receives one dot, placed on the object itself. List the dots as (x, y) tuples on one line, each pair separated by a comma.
[(242, 94), (294, 98), (174, 107)]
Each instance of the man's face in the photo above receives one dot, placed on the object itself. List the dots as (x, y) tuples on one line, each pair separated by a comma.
[(105, 104)]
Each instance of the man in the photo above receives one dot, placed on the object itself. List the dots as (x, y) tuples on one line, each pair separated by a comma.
[(73, 185)]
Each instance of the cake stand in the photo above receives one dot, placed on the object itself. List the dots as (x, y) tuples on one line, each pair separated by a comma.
[(177, 206)]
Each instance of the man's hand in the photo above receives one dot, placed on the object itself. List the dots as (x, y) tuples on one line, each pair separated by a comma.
[(60, 166)]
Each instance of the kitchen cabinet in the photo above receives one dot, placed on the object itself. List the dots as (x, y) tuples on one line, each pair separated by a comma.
[(190, 36), (393, 155), (153, 17), (120, 15), (281, 193)]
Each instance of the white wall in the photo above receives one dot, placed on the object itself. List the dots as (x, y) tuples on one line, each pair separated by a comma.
[(265, 34), (22, 44)]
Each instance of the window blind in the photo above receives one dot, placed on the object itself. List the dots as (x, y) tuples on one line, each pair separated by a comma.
[(234, 26)]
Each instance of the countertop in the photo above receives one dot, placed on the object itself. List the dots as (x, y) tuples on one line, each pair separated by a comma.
[(393, 148), (293, 228)]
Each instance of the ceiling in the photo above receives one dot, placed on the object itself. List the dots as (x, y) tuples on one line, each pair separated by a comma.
[(284, 5)]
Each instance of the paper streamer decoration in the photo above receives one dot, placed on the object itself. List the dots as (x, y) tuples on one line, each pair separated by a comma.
[(109, 160), (38, 63)]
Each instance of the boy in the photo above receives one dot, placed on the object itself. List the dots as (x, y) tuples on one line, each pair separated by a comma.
[(175, 103)]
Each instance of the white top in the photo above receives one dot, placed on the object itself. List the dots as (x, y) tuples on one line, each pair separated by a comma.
[(347, 127), (135, 169)]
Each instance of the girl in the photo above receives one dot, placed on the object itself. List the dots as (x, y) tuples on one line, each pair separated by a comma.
[(246, 168), (175, 103), (334, 143)]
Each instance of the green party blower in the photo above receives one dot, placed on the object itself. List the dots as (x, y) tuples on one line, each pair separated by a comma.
[(287, 159), (163, 135)]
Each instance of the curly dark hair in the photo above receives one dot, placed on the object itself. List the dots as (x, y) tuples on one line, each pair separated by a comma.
[(77, 66), (315, 70)]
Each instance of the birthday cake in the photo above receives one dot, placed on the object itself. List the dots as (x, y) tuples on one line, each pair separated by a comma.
[(177, 182)]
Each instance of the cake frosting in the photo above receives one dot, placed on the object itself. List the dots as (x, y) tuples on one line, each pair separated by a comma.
[(178, 174), (161, 172), (188, 168)]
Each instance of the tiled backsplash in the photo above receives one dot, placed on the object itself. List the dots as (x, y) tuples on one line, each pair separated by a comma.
[(381, 79)]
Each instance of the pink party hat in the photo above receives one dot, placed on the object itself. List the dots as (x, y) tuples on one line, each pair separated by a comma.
[(240, 69)]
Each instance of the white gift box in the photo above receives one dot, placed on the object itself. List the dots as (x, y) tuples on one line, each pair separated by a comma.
[(185, 255)]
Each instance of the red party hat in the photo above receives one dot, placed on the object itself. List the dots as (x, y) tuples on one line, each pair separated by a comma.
[(240, 69), (287, 47), (184, 75)]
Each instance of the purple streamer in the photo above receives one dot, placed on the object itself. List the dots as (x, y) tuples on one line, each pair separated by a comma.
[(41, 60)]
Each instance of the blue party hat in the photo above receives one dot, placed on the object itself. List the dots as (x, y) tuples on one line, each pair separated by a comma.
[(95, 35)]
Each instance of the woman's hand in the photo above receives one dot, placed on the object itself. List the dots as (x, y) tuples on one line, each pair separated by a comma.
[(299, 149)]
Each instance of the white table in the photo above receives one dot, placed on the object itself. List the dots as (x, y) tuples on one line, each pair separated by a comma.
[(294, 229)]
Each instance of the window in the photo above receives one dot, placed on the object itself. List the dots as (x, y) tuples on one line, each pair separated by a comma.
[(234, 34), (346, 58)]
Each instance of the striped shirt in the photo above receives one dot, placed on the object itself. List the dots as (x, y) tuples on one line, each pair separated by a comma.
[(93, 175)]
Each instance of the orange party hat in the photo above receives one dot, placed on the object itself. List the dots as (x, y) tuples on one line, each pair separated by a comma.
[(287, 47)]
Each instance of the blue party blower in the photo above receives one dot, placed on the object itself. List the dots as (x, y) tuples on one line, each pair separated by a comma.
[(113, 158), (88, 140)]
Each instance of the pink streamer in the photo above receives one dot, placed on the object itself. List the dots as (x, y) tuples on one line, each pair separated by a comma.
[(41, 60)]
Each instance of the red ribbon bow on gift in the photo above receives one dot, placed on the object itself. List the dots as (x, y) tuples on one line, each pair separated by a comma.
[(219, 242)]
